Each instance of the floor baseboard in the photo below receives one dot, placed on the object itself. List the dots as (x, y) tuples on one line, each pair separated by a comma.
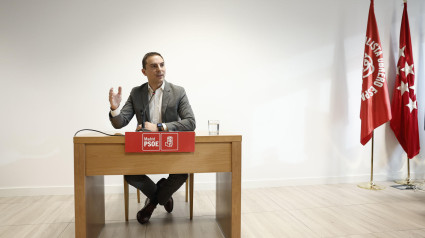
[(246, 184)]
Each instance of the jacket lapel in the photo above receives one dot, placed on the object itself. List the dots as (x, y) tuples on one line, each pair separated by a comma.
[(165, 99), (145, 100)]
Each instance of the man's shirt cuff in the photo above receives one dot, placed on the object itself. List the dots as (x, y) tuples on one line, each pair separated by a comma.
[(115, 112)]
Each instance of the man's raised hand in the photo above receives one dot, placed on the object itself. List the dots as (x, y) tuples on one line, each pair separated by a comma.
[(115, 98)]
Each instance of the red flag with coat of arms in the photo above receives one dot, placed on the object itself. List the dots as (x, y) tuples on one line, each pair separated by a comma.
[(375, 104), (404, 106)]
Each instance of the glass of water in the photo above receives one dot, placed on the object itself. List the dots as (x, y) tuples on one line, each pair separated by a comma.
[(213, 127)]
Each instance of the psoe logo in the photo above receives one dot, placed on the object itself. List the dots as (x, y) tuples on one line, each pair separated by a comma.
[(169, 141), (368, 67), (151, 142)]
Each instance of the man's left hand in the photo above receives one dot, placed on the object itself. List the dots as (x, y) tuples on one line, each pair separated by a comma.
[(148, 126)]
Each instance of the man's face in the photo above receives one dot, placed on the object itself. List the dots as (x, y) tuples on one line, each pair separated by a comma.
[(155, 70)]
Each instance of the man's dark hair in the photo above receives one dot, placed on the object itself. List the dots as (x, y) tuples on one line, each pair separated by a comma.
[(149, 55)]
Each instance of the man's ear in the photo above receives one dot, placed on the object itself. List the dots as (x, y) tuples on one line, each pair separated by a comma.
[(144, 72)]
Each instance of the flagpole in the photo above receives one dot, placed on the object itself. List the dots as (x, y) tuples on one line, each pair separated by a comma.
[(371, 185), (407, 182), (408, 168), (371, 161)]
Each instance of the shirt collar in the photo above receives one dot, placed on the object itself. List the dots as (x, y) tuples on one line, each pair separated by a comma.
[(162, 87)]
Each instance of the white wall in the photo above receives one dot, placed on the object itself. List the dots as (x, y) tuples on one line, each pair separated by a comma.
[(284, 74)]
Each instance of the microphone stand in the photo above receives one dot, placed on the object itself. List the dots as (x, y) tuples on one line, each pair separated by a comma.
[(144, 112)]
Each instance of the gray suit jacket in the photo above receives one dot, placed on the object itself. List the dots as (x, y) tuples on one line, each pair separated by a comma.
[(176, 111)]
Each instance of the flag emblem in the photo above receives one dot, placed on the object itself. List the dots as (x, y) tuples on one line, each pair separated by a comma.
[(368, 66)]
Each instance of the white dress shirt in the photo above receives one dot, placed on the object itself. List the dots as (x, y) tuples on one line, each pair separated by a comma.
[(155, 104)]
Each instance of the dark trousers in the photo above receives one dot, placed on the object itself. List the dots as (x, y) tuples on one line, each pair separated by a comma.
[(161, 193)]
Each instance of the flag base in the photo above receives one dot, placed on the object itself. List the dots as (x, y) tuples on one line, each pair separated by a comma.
[(371, 186), (405, 187), (408, 182)]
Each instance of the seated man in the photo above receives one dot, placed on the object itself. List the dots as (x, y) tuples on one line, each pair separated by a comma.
[(158, 106)]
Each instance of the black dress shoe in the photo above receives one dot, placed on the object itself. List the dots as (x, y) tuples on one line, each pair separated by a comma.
[(169, 205), (145, 214)]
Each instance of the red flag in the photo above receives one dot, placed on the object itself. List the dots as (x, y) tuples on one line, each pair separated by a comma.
[(375, 105), (404, 106)]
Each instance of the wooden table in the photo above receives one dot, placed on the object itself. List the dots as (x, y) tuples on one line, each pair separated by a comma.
[(96, 156)]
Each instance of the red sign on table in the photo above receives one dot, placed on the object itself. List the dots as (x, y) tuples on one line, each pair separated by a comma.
[(182, 141)]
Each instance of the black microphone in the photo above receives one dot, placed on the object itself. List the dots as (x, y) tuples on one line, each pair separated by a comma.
[(144, 111)]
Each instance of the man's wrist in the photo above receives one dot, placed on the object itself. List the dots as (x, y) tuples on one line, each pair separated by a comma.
[(161, 127), (115, 112)]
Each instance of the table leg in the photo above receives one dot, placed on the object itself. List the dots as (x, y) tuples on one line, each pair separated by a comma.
[(191, 179), (228, 196), (236, 188), (89, 198), (223, 202), (126, 198)]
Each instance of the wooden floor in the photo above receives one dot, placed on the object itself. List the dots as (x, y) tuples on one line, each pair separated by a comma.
[(305, 211)]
